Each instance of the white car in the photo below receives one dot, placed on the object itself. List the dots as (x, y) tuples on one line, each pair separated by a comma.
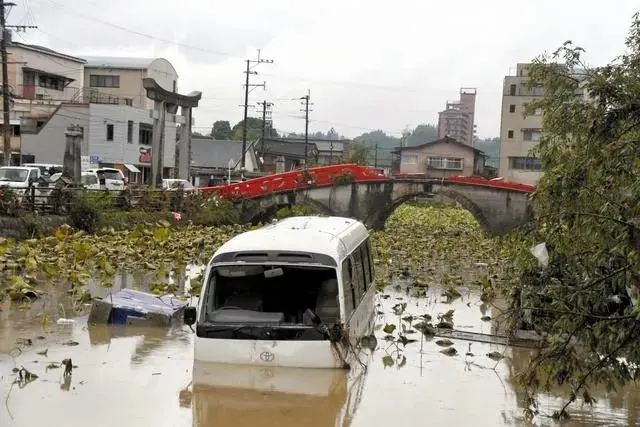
[(174, 184), (46, 169), (89, 180), (109, 178)]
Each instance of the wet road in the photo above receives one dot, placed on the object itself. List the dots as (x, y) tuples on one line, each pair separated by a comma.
[(138, 376)]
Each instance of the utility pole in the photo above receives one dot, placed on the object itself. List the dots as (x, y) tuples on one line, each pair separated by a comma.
[(247, 85), (306, 100), (375, 158), (265, 110), (6, 104)]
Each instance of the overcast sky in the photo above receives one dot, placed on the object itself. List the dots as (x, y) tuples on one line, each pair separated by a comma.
[(369, 64)]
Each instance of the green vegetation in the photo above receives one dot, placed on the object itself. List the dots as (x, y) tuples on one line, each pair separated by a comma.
[(587, 211), (295, 210)]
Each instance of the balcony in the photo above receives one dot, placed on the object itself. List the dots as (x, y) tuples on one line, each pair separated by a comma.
[(43, 95)]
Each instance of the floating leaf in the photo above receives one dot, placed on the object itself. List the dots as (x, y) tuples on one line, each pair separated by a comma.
[(404, 340), (387, 361), (444, 343), (389, 328), (43, 352), (426, 328), (444, 325), (495, 355), (485, 318), (450, 351)]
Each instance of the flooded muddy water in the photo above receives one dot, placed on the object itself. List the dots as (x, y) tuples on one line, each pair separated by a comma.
[(132, 376)]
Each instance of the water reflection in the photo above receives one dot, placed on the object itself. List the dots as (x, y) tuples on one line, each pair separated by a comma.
[(245, 395)]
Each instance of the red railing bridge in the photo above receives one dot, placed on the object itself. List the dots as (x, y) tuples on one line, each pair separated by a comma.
[(327, 176)]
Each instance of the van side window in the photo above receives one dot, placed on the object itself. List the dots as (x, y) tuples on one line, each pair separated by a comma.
[(358, 274), (371, 266), (349, 295), (364, 248)]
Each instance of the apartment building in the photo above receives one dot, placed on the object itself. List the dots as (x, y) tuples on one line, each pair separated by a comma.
[(113, 136), (110, 104), (111, 80), (519, 134), (457, 120), (39, 79)]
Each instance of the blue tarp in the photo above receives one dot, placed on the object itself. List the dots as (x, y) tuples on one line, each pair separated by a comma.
[(129, 303)]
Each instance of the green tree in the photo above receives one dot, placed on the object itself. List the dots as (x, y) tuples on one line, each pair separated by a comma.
[(360, 153), (422, 134), (587, 210), (221, 130), (254, 130)]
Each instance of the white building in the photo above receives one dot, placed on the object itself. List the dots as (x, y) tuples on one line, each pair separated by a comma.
[(114, 135), (112, 80), (39, 80)]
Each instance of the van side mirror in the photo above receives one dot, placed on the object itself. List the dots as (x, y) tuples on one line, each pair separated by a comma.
[(190, 315)]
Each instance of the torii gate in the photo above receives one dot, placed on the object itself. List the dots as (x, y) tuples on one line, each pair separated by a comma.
[(168, 102)]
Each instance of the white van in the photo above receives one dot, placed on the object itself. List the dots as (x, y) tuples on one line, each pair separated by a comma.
[(298, 293)]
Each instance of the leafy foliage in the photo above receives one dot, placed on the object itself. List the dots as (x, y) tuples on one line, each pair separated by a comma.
[(359, 154), (587, 211), (221, 130)]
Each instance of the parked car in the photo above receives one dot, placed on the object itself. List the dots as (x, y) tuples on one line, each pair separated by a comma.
[(46, 169), (109, 178), (174, 184), (89, 180), (21, 179)]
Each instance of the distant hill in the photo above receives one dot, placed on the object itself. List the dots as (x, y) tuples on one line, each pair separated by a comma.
[(491, 147)]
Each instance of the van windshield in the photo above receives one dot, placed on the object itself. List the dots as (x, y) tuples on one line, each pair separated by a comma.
[(271, 296)]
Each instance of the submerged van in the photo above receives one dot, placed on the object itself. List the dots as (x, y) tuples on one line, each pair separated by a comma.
[(297, 293)]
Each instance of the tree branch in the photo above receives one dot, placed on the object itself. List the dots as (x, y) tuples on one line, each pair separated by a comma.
[(600, 363)]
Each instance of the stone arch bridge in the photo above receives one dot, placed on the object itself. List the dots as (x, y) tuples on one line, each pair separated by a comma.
[(498, 209)]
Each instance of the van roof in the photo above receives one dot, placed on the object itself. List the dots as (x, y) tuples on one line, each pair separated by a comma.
[(332, 236)]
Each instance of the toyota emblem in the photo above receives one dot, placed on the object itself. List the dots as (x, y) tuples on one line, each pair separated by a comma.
[(266, 356)]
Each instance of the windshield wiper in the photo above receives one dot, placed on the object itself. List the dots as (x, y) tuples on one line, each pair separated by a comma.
[(232, 329)]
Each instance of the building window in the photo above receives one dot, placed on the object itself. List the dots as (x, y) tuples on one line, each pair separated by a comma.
[(145, 134), (51, 82), (409, 159), (109, 132), (130, 131), (512, 108), (510, 134), (512, 90), (128, 101), (525, 163), (537, 112), (445, 163), (96, 80), (531, 134)]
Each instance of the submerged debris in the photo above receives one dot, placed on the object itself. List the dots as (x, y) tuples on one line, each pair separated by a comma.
[(450, 351)]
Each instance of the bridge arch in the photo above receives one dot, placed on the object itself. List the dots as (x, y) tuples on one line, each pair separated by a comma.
[(267, 208), (378, 218)]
